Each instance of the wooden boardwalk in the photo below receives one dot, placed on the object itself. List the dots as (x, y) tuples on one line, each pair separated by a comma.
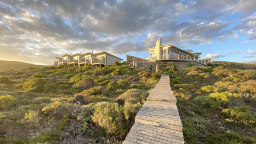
[(158, 121)]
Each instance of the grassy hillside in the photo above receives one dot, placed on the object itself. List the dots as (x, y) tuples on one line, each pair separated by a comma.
[(217, 105), (67, 104), (98, 105), (15, 65)]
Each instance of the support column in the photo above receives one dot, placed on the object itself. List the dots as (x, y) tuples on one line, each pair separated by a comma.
[(178, 55), (78, 61), (167, 53), (194, 58), (106, 60), (187, 56), (84, 61)]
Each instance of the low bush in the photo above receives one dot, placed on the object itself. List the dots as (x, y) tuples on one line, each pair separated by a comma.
[(102, 81), (215, 100), (220, 71), (132, 95), (50, 88), (183, 93), (78, 99), (31, 117), (87, 124), (92, 91), (248, 87), (86, 83), (112, 86), (68, 76), (34, 85), (146, 74), (155, 75), (242, 114), (56, 109), (123, 84), (117, 71), (7, 102), (76, 78), (111, 117), (207, 89), (38, 75), (175, 80), (230, 138), (4, 80)]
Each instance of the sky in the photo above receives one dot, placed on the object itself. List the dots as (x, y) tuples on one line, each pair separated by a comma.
[(37, 31)]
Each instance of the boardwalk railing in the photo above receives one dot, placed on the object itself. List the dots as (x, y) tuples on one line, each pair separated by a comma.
[(158, 121)]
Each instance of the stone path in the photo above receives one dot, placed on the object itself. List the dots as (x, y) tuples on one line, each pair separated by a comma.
[(158, 121)]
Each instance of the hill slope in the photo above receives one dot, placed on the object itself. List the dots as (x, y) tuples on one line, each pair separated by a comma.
[(16, 65)]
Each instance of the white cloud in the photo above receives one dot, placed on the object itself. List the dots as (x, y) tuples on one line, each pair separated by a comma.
[(235, 52), (213, 56), (250, 52)]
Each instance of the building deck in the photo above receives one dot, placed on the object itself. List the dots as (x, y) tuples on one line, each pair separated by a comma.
[(158, 120)]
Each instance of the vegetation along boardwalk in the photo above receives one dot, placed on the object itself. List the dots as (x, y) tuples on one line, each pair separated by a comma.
[(158, 120)]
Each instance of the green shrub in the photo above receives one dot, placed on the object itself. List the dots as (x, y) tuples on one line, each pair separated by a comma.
[(87, 125), (35, 85), (207, 69), (111, 117), (122, 84), (146, 74), (118, 71), (230, 138), (102, 81), (57, 109), (189, 131), (132, 95), (50, 87), (242, 114), (95, 91), (86, 83), (4, 80), (215, 100), (68, 76), (155, 75), (175, 80), (112, 86), (7, 102), (100, 99), (38, 75)]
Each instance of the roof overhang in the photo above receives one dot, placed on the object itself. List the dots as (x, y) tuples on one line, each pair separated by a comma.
[(150, 48)]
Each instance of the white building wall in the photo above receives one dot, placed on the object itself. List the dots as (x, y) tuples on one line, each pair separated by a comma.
[(111, 60)]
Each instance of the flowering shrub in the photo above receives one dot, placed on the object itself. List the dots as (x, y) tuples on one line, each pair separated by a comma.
[(215, 100), (242, 114), (7, 101)]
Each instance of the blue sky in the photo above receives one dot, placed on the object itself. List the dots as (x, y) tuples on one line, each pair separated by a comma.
[(37, 31)]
